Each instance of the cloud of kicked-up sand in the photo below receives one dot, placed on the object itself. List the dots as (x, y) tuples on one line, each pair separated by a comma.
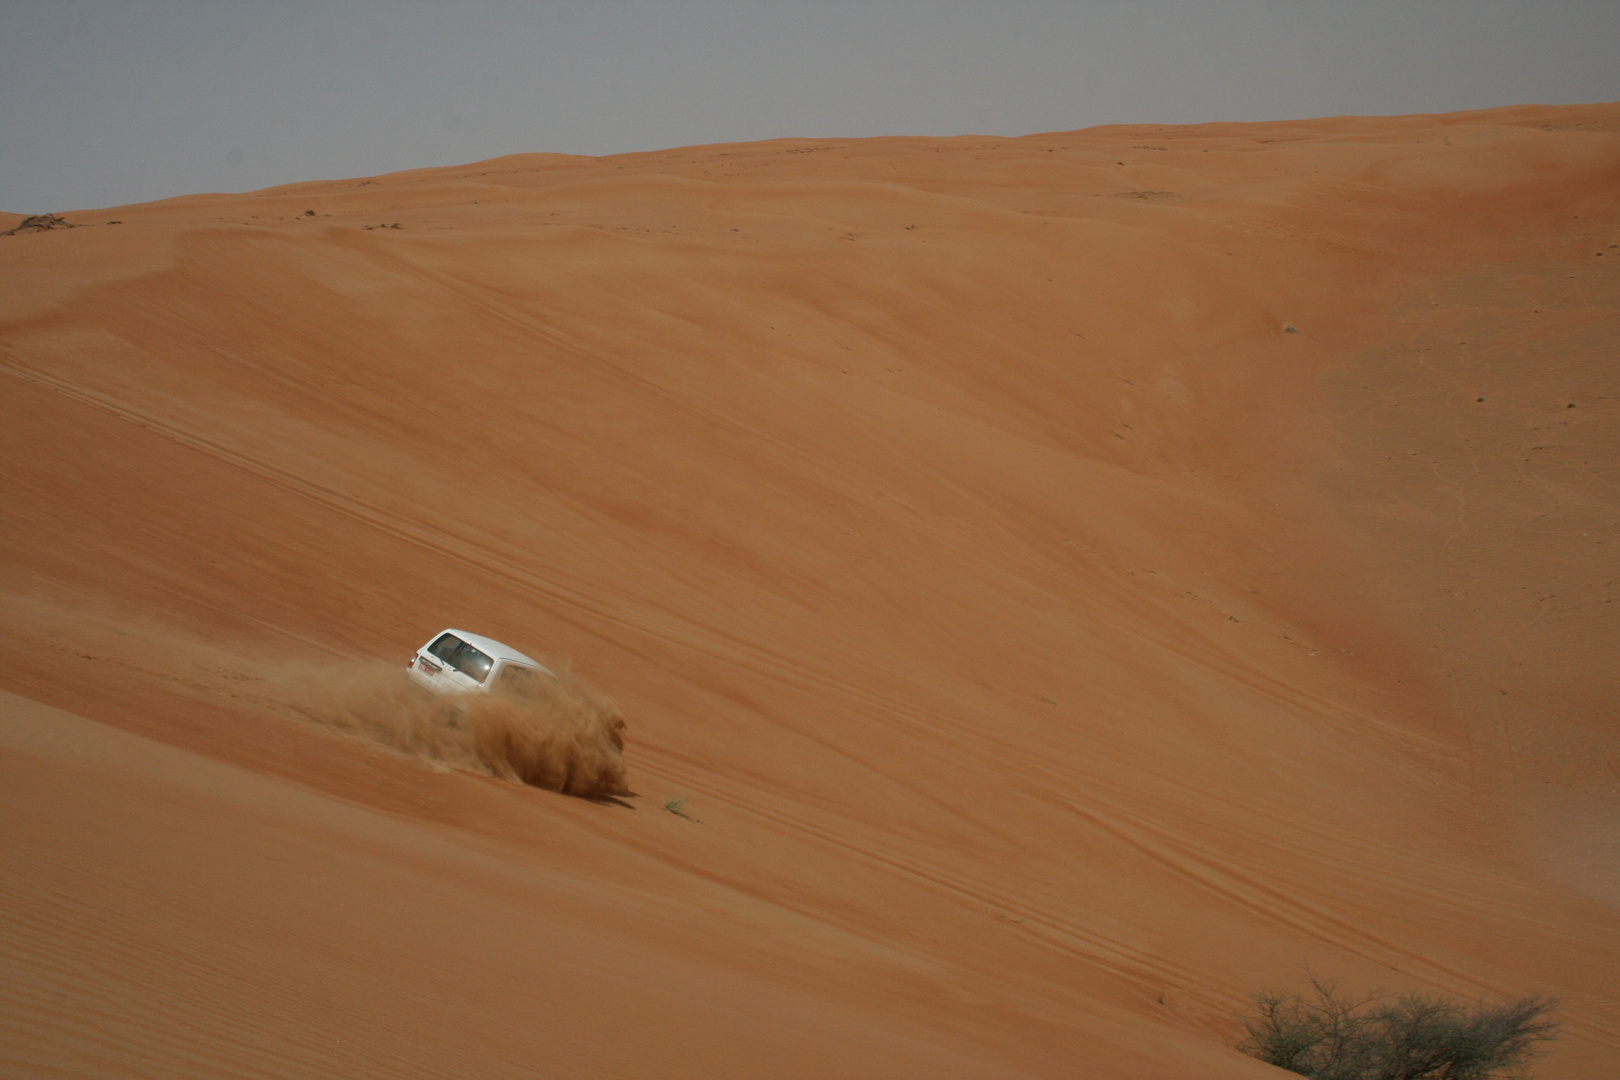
[(563, 736)]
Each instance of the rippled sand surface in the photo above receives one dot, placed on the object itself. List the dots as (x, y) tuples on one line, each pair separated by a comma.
[(1072, 581)]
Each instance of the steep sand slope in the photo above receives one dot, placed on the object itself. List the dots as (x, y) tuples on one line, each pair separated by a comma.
[(1073, 579)]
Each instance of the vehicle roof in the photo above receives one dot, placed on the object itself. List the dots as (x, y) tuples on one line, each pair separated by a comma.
[(494, 649)]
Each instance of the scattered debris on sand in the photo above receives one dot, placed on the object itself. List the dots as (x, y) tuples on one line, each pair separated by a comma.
[(39, 223)]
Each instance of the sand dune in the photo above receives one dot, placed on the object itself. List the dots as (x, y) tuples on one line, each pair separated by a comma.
[(1074, 581)]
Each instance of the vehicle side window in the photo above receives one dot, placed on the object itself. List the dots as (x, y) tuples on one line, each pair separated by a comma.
[(445, 648), (471, 663), (519, 680)]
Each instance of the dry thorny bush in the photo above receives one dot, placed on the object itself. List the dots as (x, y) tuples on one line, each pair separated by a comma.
[(1325, 1036)]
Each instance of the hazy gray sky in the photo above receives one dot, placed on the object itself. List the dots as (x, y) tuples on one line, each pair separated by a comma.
[(112, 102)]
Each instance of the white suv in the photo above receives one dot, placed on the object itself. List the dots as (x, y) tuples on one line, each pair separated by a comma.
[(456, 662)]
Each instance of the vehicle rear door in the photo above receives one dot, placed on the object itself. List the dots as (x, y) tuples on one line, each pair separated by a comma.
[(433, 662)]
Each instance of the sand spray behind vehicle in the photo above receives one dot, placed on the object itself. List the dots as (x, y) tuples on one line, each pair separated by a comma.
[(563, 736)]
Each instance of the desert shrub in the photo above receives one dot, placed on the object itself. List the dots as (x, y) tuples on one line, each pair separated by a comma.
[(1325, 1036)]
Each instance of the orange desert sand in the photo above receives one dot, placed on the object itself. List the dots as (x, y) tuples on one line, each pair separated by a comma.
[(1075, 581)]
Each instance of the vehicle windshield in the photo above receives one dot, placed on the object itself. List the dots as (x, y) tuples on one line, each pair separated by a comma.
[(462, 656)]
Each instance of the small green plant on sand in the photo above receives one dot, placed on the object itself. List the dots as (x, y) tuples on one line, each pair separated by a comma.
[(1324, 1036), (677, 806)]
